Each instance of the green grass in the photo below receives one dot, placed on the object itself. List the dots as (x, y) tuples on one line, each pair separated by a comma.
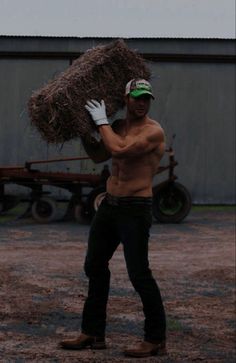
[(13, 213), (220, 208), (174, 325)]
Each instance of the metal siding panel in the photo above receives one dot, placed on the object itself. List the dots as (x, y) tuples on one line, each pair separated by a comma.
[(220, 111), (19, 141), (19, 77), (197, 102)]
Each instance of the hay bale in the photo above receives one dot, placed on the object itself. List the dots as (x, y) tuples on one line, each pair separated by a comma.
[(57, 109)]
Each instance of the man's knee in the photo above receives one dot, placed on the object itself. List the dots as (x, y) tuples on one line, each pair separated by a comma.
[(139, 278), (95, 269)]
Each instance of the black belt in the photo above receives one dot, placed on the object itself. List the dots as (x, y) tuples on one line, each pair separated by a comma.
[(128, 201)]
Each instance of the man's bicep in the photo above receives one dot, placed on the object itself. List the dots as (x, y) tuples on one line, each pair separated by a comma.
[(150, 140)]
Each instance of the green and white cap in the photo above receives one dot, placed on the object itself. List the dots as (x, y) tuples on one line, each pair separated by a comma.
[(138, 87)]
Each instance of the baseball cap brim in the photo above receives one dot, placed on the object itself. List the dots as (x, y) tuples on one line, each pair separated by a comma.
[(139, 92)]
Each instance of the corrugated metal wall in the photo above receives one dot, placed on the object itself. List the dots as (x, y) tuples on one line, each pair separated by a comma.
[(196, 101), (19, 141)]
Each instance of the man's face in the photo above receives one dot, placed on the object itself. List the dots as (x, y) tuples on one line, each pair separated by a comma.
[(138, 107)]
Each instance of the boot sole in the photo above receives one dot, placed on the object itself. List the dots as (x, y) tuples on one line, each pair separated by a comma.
[(95, 346)]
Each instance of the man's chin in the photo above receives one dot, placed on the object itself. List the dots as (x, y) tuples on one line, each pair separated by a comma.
[(140, 114)]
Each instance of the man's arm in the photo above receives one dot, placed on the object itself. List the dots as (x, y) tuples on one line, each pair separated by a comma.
[(151, 138)]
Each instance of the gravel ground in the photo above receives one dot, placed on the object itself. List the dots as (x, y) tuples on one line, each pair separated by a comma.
[(43, 288)]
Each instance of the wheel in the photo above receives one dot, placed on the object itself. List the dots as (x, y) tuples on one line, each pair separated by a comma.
[(171, 202), (45, 210), (79, 213), (94, 200)]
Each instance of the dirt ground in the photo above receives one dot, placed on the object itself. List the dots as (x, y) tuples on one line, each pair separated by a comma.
[(43, 288)]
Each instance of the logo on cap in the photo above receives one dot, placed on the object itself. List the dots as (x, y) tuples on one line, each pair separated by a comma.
[(138, 87)]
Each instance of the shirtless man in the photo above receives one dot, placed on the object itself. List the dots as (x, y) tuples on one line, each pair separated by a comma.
[(136, 145)]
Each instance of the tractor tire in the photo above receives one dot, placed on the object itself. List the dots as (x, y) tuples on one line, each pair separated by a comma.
[(80, 214), (171, 202), (46, 210)]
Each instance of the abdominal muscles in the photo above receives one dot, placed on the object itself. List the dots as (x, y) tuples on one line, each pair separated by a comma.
[(132, 177)]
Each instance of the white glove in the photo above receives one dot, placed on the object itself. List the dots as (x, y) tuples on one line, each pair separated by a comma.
[(97, 111)]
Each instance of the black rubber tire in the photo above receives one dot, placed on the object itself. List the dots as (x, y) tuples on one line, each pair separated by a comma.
[(80, 214), (171, 202), (44, 210), (94, 199)]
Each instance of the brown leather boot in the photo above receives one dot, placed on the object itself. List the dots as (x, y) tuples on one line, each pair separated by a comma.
[(146, 349), (82, 342)]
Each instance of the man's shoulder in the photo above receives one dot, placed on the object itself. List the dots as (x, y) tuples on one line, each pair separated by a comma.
[(154, 123), (155, 126)]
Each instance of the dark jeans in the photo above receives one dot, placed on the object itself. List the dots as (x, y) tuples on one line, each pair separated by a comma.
[(129, 225)]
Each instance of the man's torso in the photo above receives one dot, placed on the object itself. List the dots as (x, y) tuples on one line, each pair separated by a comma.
[(132, 176)]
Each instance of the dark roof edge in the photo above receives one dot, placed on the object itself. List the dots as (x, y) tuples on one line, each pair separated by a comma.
[(161, 48), (125, 38)]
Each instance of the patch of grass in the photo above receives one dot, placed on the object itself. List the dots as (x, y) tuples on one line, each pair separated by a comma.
[(174, 325), (218, 208), (14, 213)]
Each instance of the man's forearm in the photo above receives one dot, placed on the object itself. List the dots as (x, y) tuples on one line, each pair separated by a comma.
[(112, 141)]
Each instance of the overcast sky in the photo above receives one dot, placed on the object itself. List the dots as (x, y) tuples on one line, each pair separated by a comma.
[(119, 18)]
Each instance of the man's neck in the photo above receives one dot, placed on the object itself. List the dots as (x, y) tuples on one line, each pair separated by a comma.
[(132, 121)]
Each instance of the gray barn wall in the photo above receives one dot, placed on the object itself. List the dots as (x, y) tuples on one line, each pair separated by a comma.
[(194, 100), (19, 141)]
